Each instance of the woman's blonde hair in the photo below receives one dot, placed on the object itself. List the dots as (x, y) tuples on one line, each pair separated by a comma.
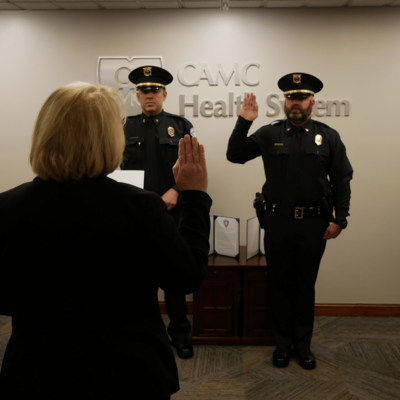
[(78, 132)]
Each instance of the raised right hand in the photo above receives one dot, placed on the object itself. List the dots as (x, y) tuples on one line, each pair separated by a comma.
[(190, 171), (249, 109)]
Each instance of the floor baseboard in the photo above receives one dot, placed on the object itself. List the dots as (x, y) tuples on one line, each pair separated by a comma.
[(336, 309), (357, 310)]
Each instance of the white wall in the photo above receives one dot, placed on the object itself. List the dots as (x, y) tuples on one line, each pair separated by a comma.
[(355, 52)]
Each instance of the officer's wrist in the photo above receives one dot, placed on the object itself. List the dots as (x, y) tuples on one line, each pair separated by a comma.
[(243, 124), (342, 224)]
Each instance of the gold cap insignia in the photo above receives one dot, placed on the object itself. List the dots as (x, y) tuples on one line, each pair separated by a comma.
[(171, 131), (318, 140), (147, 71), (296, 78)]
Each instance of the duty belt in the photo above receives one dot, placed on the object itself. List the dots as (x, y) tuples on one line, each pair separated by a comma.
[(299, 212)]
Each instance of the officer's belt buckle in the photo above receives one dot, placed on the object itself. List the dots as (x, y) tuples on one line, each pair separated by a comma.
[(296, 210)]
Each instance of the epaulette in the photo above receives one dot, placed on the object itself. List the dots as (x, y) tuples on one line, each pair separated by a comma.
[(321, 123), (133, 116), (278, 122), (174, 115)]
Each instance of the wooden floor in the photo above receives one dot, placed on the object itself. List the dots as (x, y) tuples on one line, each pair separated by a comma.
[(357, 358)]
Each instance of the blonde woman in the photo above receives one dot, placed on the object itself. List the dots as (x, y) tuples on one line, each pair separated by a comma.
[(83, 256)]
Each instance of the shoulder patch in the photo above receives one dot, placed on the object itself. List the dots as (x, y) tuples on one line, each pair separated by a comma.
[(192, 132), (278, 122)]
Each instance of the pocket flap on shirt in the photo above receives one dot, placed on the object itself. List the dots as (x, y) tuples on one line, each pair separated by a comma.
[(278, 150), (317, 150), (170, 141), (134, 140)]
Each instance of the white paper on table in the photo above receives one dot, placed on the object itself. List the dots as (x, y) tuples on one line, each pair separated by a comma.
[(226, 236), (262, 247), (252, 238), (135, 178), (211, 239)]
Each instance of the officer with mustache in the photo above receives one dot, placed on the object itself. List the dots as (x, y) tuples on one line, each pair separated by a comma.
[(152, 141), (307, 176)]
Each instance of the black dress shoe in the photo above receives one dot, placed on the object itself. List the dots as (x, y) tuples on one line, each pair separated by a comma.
[(306, 359), (280, 358), (184, 349)]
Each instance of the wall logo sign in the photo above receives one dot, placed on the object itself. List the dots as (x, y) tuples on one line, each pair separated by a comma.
[(322, 108), (114, 71), (248, 74), (202, 72)]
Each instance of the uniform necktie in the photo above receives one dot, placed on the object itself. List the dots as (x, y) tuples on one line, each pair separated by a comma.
[(151, 164), (289, 191)]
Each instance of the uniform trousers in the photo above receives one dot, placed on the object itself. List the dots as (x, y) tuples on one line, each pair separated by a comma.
[(179, 326), (293, 249)]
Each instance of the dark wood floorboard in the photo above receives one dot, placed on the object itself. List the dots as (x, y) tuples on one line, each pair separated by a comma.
[(358, 358)]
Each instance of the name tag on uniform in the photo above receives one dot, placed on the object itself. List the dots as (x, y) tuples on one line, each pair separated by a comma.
[(278, 144)]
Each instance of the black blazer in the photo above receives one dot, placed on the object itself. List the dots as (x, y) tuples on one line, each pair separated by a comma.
[(80, 267)]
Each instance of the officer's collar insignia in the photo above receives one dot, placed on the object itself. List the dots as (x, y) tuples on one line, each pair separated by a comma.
[(147, 71), (144, 121), (296, 78), (171, 131), (156, 120), (318, 140)]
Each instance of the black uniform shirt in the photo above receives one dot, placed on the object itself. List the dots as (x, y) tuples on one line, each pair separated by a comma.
[(167, 154), (316, 164)]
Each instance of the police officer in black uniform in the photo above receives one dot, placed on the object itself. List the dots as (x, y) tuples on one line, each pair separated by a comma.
[(152, 140), (307, 175)]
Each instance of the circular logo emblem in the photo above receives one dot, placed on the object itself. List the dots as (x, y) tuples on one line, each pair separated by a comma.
[(147, 71), (296, 78)]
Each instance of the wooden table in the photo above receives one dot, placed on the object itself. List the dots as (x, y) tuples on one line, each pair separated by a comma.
[(231, 307)]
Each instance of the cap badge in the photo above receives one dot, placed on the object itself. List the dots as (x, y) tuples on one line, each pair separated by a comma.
[(318, 140), (296, 78), (147, 71), (171, 131)]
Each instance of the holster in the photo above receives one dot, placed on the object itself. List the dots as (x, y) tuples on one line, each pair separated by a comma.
[(260, 206)]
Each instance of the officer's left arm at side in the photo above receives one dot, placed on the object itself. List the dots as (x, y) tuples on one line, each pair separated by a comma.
[(340, 174)]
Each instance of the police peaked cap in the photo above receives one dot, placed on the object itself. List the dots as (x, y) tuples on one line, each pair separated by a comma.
[(150, 77), (299, 84)]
